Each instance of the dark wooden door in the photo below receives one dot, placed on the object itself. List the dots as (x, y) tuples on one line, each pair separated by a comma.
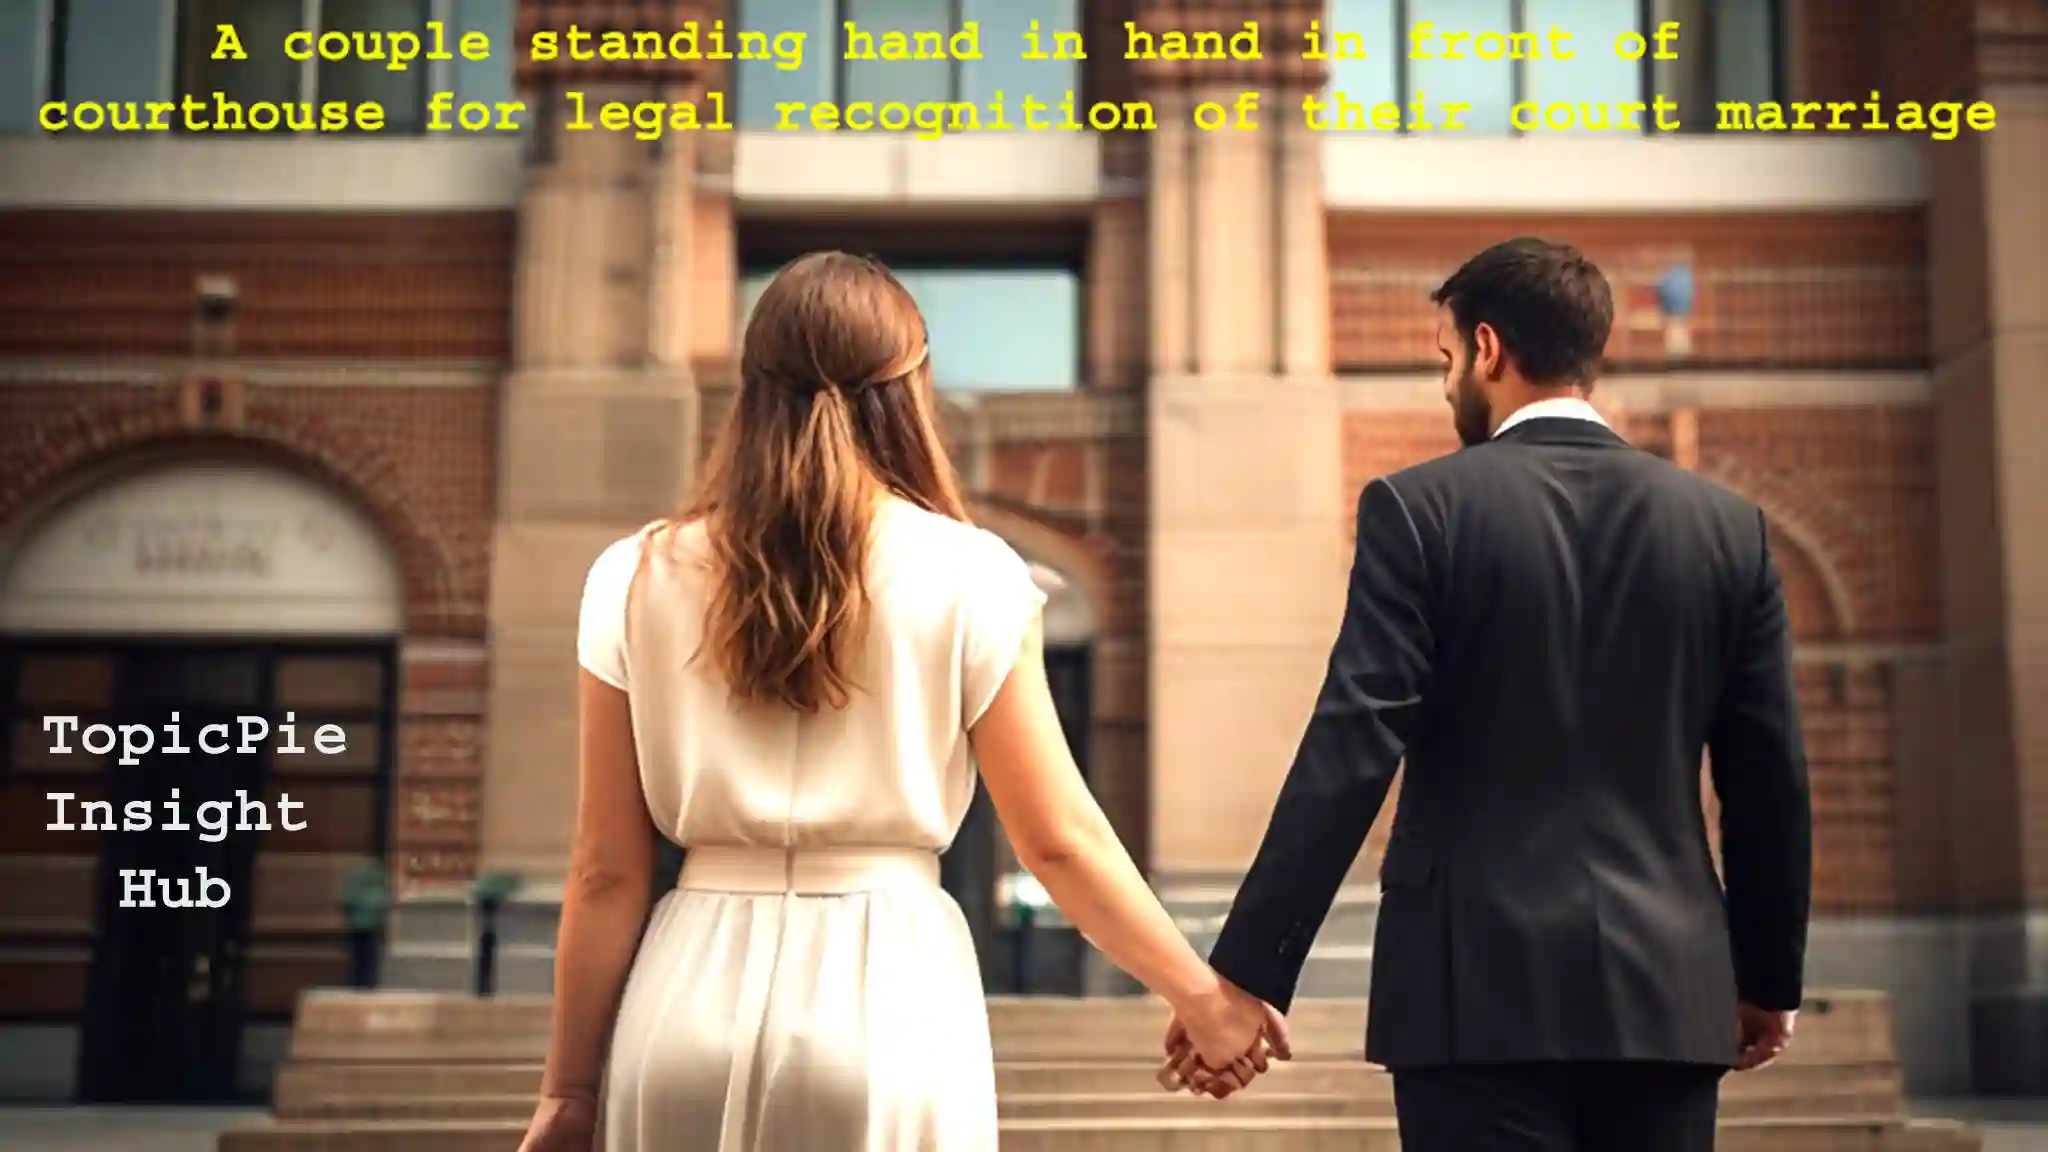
[(1069, 672), (164, 1021)]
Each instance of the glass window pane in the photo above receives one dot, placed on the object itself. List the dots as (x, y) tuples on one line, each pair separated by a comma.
[(24, 62), (1354, 27), (1595, 75), (169, 678), (352, 682), (261, 26), (897, 81), (1745, 51), (82, 682), (1002, 70), (1487, 85), (119, 50), (759, 85), (992, 330), (34, 747), (1001, 329), (402, 95), (488, 80), (751, 286)]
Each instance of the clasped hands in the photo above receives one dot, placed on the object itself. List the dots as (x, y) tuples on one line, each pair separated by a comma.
[(1222, 1041)]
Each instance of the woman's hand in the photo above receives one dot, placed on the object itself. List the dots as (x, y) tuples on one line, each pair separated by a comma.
[(562, 1124), (1217, 1043)]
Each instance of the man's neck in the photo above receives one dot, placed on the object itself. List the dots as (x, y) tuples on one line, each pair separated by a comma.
[(1530, 395)]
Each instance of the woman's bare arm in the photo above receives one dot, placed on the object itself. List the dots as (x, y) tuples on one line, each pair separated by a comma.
[(1063, 837), (607, 896)]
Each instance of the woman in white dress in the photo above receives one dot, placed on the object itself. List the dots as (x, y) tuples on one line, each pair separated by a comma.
[(786, 679)]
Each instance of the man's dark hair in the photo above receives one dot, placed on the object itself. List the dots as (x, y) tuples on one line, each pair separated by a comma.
[(1550, 305)]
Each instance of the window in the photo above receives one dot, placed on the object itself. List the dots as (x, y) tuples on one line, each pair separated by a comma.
[(1375, 76), (113, 51), (1001, 76), (1000, 328), (268, 74), (120, 51), (1747, 50), (1595, 78), (1487, 85), (25, 27), (1728, 49)]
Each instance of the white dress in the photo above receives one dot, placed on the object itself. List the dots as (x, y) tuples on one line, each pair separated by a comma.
[(808, 987)]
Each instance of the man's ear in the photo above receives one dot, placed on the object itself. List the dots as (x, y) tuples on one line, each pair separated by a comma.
[(1489, 359)]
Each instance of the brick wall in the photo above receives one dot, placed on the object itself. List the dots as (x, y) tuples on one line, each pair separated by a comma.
[(359, 286), (1784, 290)]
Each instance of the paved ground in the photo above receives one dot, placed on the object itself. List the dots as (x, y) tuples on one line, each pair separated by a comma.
[(2009, 1126), (114, 1129)]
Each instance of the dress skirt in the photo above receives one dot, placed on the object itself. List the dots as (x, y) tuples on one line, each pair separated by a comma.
[(819, 1000)]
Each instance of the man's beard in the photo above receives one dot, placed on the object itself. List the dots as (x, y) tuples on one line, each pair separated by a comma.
[(1471, 414)]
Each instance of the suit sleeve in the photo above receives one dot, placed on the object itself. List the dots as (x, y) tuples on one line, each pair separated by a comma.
[(1378, 672), (1757, 757)]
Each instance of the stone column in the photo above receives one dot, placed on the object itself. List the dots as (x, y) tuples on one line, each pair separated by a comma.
[(1988, 235), (598, 426), (1247, 507)]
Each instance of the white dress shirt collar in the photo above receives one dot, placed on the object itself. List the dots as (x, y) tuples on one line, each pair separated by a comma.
[(1557, 407)]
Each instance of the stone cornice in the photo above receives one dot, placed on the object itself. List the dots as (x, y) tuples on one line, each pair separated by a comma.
[(1010, 417), (86, 372)]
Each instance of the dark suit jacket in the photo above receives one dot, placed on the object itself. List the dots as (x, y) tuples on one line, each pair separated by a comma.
[(1550, 627)]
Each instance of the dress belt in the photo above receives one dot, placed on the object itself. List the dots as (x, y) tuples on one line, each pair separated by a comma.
[(806, 871)]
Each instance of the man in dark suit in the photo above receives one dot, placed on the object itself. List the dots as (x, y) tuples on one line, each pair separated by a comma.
[(1550, 626)]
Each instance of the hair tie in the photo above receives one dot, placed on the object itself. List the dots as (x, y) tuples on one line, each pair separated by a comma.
[(898, 371)]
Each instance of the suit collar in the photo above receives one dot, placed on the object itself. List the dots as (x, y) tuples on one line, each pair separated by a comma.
[(1554, 408), (1560, 430)]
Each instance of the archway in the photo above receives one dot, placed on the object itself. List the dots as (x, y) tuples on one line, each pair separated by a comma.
[(144, 607), (981, 868)]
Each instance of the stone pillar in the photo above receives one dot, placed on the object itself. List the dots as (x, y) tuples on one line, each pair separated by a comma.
[(1988, 237), (1247, 507), (598, 425)]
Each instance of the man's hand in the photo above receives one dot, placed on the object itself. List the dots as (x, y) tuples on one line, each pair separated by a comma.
[(1761, 1035), (562, 1124), (1217, 1046)]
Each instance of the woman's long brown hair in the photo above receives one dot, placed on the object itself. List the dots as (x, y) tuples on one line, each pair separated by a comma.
[(834, 409)]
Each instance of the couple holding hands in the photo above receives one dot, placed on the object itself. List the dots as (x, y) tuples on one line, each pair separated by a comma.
[(799, 676)]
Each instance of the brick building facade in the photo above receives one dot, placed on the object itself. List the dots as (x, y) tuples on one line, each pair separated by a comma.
[(504, 353)]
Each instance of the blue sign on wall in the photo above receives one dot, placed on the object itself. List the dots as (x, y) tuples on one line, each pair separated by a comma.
[(1675, 291)]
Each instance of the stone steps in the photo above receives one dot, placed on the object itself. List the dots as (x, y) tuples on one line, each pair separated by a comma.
[(1040, 1088), (1217, 1128), (306, 1087), (337, 1026), (1123, 1096), (418, 1071)]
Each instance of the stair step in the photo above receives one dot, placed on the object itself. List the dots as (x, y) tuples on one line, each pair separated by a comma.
[(1213, 1129), (395, 1027)]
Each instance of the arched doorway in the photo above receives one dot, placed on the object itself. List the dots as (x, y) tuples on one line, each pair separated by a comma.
[(145, 610), (981, 862)]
